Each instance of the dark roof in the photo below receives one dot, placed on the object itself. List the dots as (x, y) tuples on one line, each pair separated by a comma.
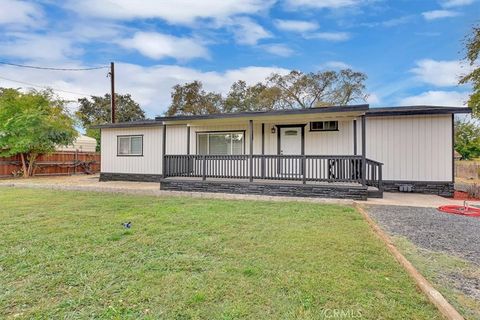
[(139, 123), (371, 112), (415, 110), (360, 107)]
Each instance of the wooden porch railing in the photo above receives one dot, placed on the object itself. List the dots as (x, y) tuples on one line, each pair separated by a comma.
[(274, 167)]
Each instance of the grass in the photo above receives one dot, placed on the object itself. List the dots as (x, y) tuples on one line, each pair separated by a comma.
[(66, 255), (444, 271)]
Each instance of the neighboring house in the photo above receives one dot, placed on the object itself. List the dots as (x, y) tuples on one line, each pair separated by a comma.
[(81, 144), (341, 151)]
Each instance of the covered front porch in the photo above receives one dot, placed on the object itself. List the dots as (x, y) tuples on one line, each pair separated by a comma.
[(290, 161)]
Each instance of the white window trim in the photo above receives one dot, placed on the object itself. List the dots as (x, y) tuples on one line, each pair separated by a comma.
[(130, 145), (221, 132)]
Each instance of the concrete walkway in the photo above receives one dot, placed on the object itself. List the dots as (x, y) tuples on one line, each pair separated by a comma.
[(91, 183), (414, 200)]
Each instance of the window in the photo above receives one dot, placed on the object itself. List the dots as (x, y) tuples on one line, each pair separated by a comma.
[(220, 143), (324, 126), (291, 133), (130, 145)]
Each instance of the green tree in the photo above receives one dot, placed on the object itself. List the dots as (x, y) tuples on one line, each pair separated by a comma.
[(191, 99), (467, 139), (97, 110), (258, 97), (323, 88), (31, 124), (472, 47), (295, 90)]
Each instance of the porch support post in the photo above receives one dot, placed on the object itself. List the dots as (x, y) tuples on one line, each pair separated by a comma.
[(263, 138), (263, 150), (164, 149), (250, 129), (355, 137), (188, 139), (364, 157)]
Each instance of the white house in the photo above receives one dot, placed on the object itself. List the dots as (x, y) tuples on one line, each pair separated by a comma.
[(340, 151), (82, 144)]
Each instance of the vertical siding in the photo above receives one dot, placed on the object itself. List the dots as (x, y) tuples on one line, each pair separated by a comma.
[(417, 148), (149, 163), (330, 142), (316, 143), (270, 139), (176, 139)]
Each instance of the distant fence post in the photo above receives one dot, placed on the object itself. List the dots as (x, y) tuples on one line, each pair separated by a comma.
[(75, 162)]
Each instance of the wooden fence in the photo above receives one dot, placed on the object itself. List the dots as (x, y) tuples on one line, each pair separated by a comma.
[(59, 163)]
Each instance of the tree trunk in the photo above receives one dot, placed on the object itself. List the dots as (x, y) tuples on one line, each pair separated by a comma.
[(24, 165), (31, 163)]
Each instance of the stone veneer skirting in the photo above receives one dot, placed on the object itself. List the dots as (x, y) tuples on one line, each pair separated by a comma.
[(270, 189), (139, 177), (445, 189)]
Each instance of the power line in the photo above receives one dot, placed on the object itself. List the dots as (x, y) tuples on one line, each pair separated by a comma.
[(47, 87), (54, 69)]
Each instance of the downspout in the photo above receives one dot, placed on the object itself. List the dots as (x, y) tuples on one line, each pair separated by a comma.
[(164, 149)]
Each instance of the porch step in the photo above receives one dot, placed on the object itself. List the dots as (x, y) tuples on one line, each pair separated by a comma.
[(375, 194)]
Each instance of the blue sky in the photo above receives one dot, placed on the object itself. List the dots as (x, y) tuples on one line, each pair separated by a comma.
[(410, 50)]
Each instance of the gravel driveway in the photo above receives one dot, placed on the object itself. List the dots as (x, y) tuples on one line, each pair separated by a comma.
[(430, 229)]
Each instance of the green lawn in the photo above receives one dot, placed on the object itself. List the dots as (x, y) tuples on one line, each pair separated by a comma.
[(66, 255)]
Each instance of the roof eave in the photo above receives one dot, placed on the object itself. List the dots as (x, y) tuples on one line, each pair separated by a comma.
[(361, 108), (127, 124), (409, 112)]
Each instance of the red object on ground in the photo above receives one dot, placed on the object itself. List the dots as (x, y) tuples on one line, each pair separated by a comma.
[(461, 195), (461, 210)]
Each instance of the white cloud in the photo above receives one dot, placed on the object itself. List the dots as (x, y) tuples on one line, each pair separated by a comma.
[(439, 73), (329, 36), (296, 25), (437, 98), (373, 99), (278, 49), (456, 3), (15, 12), (439, 14), (308, 30), (248, 32), (175, 12), (335, 65), (44, 47), (158, 46), (96, 30), (322, 4), (390, 22), (150, 86)]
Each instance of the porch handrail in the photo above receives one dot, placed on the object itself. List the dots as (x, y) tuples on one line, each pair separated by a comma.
[(374, 174), (305, 168)]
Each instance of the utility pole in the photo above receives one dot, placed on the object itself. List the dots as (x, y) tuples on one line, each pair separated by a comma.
[(112, 86)]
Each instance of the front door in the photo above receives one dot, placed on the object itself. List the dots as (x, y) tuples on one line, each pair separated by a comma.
[(290, 144)]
